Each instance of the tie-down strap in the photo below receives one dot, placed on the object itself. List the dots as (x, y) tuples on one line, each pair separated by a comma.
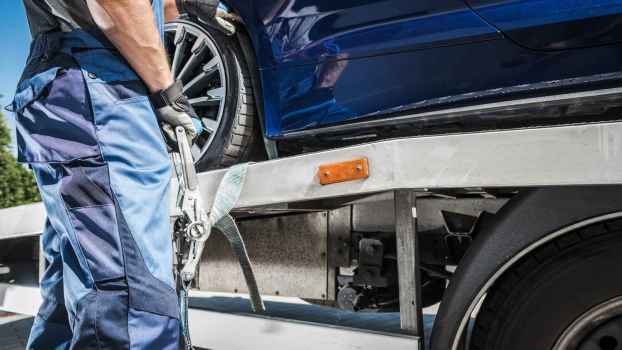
[(227, 196)]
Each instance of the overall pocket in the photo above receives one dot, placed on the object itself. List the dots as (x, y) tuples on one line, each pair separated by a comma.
[(54, 122), (126, 125)]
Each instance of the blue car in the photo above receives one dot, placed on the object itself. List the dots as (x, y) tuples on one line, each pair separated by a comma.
[(301, 75)]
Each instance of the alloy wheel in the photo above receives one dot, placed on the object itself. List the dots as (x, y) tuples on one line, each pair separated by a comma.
[(197, 62)]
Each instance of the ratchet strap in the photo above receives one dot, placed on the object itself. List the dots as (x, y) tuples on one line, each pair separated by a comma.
[(227, 195), (229, 229)]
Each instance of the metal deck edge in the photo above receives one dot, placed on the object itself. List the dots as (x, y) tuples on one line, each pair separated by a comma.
[(216, 330), (224, 331)]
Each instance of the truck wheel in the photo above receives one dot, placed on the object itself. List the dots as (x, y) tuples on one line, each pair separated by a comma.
[(566, 295), (216, 80)]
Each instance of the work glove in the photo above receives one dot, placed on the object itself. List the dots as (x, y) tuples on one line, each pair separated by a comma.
[(172, 110), (205, 10)]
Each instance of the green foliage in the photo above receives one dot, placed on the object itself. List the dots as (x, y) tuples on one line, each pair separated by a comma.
[(17, 185)]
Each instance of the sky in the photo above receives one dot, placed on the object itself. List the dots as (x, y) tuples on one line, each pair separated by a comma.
[(15, 36)]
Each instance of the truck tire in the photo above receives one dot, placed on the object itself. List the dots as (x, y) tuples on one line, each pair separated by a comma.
[(566, 292), (223, 98)]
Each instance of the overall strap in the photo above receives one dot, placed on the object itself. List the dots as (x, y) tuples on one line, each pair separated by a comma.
[(158, 11)]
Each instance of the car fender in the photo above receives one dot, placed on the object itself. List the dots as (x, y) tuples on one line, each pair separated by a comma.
[(528, 221)]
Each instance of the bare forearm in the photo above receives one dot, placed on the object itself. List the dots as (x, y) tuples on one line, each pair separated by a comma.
[(170, 10), (130, 26)]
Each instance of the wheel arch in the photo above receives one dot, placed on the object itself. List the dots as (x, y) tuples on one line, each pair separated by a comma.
[(531, 219), (248, 50), (248, 44)]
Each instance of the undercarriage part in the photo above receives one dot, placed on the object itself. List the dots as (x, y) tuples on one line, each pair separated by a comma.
[(5, 273), (432, 289), (288, 254), (347, 256), (357, 299), (445, 225), (370, 265), (372, 283), (349, 298)]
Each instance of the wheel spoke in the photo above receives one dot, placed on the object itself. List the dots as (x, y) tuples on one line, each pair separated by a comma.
[(201, 80), (210, 125), (204, 101), (198, 51), (217, 93), (180, 47)]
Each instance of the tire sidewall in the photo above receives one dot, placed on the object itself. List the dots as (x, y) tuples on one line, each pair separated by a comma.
[(550, 297), (230, 56)]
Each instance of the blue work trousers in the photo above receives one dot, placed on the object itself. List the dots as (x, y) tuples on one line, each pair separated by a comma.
[(86, 127)]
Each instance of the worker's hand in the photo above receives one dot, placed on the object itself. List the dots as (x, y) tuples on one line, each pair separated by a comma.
[(173, 109), (205, 10)]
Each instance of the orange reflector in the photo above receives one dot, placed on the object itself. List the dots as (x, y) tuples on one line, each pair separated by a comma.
[(343, 171)]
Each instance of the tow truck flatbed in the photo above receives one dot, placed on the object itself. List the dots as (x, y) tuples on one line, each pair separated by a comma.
[(405, 168)]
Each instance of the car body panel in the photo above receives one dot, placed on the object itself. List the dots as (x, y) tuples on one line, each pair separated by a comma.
[(327, 62), (296, 32), (311, 31), (375, 87), (554, 25)]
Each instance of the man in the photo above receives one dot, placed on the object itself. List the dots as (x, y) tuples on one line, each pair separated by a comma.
[(95, 91)]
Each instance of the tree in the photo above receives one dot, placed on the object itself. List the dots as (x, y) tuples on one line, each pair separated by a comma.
[(17, 185)]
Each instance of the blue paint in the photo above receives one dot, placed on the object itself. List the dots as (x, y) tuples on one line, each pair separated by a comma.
[(555, 24), (326, 62), (371, 87), (306, 31)]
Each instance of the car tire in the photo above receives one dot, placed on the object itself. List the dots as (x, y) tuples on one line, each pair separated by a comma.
[(538, 303), (234, 133)]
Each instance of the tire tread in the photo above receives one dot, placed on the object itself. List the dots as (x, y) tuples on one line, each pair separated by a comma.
[(498, 303)]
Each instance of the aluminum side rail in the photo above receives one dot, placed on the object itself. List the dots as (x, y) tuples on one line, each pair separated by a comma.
[(588, 154)]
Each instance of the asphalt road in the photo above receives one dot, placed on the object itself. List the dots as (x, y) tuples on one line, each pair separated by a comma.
[(14, 331)]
